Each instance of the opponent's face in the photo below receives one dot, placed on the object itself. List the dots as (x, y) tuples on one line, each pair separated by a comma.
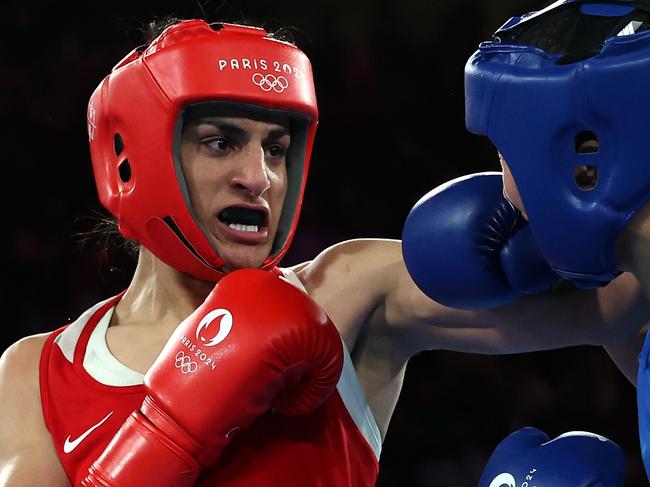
[(586, 177), (236, 173)]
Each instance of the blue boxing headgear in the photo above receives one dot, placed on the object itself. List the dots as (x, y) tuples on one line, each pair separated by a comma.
[(549, 80)]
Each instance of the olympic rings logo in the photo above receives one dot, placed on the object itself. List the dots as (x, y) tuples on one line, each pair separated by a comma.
[(270, 82), (185, 363)]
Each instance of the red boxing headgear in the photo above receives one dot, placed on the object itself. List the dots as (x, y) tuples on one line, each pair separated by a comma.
[(135, 117)]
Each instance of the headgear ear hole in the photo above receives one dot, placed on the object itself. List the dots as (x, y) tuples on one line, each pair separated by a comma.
[(586, 142), (125, 171), (118, 144), (586, 177)]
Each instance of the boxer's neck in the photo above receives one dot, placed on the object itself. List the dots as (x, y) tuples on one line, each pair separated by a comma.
[(159, 294)]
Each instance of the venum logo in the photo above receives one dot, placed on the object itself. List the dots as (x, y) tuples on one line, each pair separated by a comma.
[(503, 480), (205, 332)]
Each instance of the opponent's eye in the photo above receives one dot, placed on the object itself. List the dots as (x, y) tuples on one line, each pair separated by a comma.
[(586, 177), (586, 142)]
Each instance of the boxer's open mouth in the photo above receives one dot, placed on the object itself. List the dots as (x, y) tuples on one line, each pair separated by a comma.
[(243, 219)]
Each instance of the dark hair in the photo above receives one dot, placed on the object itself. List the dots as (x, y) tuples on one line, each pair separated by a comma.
[(156, 26), (105, 233)]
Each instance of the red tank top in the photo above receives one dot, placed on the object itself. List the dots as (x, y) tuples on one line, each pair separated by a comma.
[(336, 445)]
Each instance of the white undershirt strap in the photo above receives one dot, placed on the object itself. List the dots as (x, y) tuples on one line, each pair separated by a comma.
[(67, 340), (101, 364)]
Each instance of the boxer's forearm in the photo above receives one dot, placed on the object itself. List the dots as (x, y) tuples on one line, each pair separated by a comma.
[(556, 319)]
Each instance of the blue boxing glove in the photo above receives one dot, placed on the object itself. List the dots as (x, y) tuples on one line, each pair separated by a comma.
[(466, 246), (643, 402), (575, 459)]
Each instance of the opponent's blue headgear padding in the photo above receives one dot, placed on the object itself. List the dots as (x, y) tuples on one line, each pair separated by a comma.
[(547, 82)]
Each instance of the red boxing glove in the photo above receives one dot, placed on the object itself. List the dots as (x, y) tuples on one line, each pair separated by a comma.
[(256, 342)]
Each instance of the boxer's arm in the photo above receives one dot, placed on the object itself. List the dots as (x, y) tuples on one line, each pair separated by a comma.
[(27, 455), (559, 318), (374, 272)]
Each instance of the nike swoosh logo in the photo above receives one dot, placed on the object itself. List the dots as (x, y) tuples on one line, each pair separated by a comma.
[(68, 446)]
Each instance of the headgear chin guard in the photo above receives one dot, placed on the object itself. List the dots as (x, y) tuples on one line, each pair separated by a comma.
[(135, 118), (546, 83)]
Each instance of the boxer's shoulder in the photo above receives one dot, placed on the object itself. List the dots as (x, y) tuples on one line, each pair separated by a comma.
[(25, 441), (19, 369), (350, 279), (19, 363), (19, 390), (349, 263), (350, 268)]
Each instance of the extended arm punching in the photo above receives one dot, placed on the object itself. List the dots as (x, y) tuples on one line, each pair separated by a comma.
[(459, 251)]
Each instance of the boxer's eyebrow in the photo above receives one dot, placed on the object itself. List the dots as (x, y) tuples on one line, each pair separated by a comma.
[(232, 129), (227, 128), (278, 133)]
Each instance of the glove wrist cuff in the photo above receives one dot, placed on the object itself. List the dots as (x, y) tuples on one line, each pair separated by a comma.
[(141, 454)]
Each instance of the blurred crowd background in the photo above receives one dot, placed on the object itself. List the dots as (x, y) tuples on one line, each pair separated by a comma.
[(389, 77)]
